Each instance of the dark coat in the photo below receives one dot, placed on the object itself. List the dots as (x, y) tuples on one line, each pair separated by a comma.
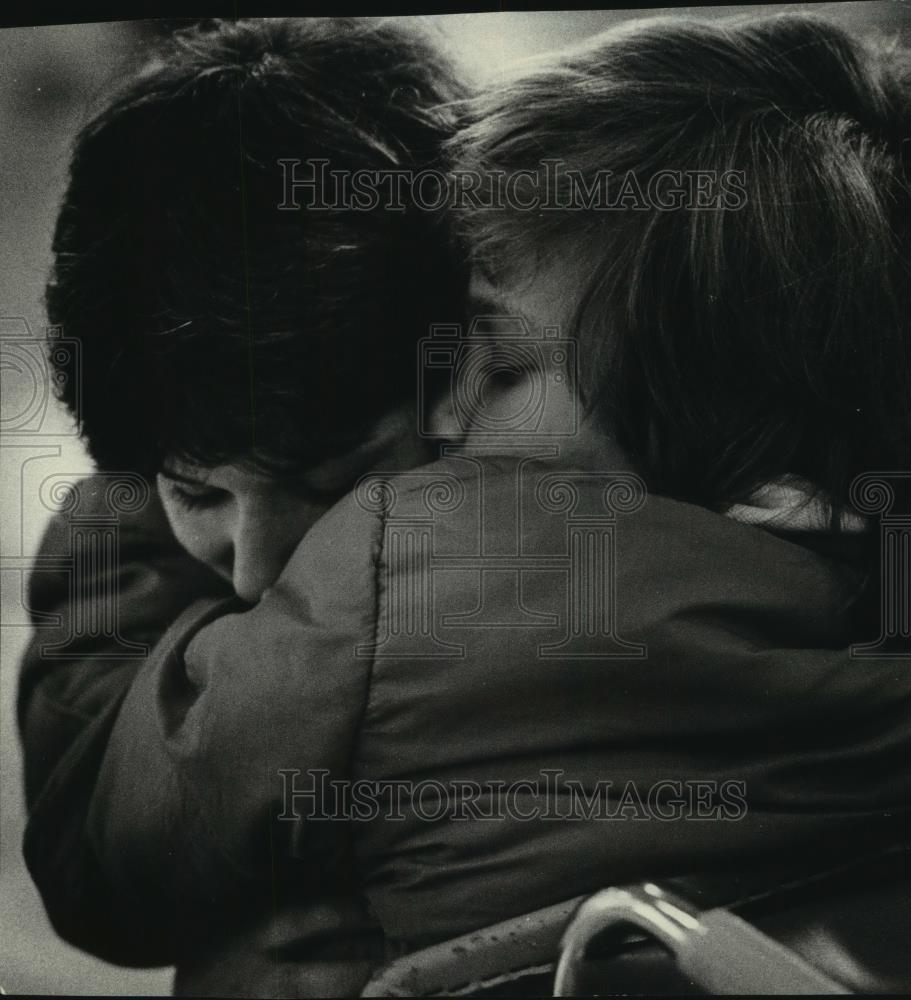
[(702, 669)]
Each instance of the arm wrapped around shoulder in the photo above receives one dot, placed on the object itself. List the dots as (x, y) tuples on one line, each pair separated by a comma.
[(96, 621), (186, 812)]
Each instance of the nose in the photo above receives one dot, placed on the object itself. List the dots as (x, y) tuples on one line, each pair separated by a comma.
[(261, 551)]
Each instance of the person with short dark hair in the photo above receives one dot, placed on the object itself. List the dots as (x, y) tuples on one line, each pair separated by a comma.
[(222, 321), (254, 359)]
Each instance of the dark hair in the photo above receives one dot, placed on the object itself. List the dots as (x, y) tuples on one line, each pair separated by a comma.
[(726, 348), (214, 326)]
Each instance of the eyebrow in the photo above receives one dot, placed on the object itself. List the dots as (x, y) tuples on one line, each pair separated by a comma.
[(365, 452), (180, 478), (491, 303)]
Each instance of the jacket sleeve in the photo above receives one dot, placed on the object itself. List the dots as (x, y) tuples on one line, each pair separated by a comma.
[(231, 711), (73, 679)]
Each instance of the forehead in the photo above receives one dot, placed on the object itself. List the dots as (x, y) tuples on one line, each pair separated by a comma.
[(544, 297), (234, 477), (331, 472)]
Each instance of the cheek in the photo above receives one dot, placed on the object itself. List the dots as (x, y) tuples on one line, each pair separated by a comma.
[(269, 533), (204, 534)]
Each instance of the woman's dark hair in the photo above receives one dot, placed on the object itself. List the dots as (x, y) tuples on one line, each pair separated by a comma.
[(214, 325), (768, 336)]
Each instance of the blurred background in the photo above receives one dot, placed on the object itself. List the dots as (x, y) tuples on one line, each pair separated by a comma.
[(52, 77)]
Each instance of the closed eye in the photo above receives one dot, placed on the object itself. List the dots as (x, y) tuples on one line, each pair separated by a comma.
[(195, 499)]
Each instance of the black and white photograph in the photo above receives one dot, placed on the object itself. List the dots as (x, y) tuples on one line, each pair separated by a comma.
[(455, 522)]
